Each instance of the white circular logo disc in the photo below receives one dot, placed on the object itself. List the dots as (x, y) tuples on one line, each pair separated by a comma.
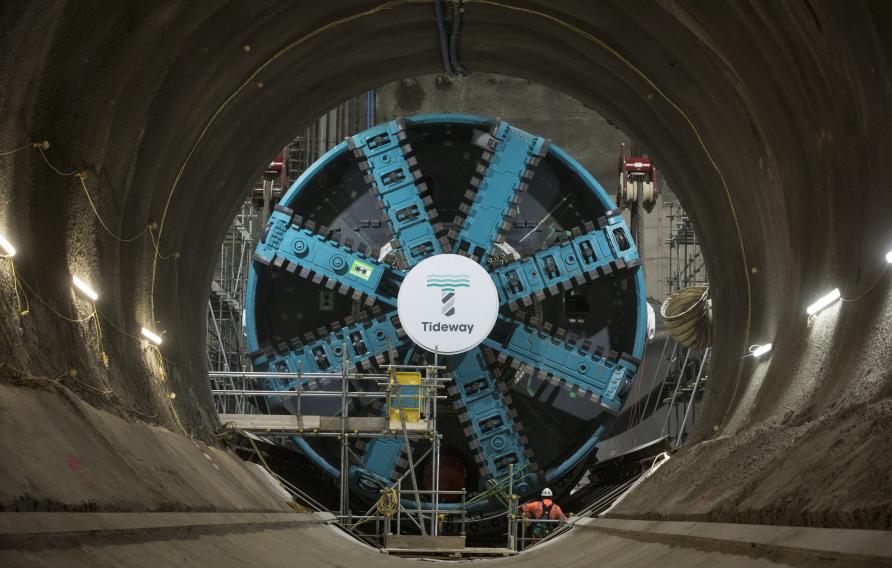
[(448, 304)]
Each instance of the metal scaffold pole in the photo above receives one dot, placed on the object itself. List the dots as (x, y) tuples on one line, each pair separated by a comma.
[(409, 457), (435, 456), (345, 448), (675, 392), (690, 406)]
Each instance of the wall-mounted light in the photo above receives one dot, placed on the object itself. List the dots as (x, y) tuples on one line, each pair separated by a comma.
[(10, 250), (825, 301), (889, 257), (153, 337), (85, 288), (759, 350)]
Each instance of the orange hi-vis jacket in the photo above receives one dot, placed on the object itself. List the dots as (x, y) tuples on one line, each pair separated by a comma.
[(536, 510)]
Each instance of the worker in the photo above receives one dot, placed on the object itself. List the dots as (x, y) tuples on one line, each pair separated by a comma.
[(544, 509)]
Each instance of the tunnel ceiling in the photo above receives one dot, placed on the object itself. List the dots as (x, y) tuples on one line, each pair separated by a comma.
[(770, 119)]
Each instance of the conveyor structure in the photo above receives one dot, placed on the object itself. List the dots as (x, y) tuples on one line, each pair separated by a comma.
[(542, 388)]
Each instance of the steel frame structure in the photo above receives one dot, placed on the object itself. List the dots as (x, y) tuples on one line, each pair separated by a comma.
[(228, 394), (227, 344), (686, 265)]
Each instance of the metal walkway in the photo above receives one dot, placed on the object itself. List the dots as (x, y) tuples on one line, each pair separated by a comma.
[(308, 425)]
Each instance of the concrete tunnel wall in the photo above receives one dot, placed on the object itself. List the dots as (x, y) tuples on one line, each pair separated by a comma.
[(771, 117)]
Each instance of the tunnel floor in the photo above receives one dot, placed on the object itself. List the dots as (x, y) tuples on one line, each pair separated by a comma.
[(81, 470), (244, 539)]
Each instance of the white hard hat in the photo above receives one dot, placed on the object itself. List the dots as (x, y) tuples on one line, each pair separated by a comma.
[(547, 492)]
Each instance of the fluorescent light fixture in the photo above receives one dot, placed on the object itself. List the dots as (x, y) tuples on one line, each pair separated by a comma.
[(154, 338), (10, 250), (823, 302), (759, 350), (85, 288), (889, 257)]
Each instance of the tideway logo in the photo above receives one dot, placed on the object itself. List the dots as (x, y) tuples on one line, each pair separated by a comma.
[(448, 283), (462, 318)]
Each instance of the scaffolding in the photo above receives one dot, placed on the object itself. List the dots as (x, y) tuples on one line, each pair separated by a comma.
[(686, 265), (409, 411), (226, 340)]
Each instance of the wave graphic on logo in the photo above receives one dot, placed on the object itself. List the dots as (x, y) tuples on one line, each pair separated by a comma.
[(448, 283)]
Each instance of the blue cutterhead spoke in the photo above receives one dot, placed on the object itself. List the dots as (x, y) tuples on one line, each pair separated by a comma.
[(322, 351), (383, 460), (490, 425), (314, 252), (551, 354), (505, 169), (385, 156), (366, 343), (570, 262)]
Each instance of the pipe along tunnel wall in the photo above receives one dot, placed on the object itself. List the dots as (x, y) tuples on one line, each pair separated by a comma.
[(771, 120)]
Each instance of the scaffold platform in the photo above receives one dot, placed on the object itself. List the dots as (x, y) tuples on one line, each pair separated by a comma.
[(309, 424)]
